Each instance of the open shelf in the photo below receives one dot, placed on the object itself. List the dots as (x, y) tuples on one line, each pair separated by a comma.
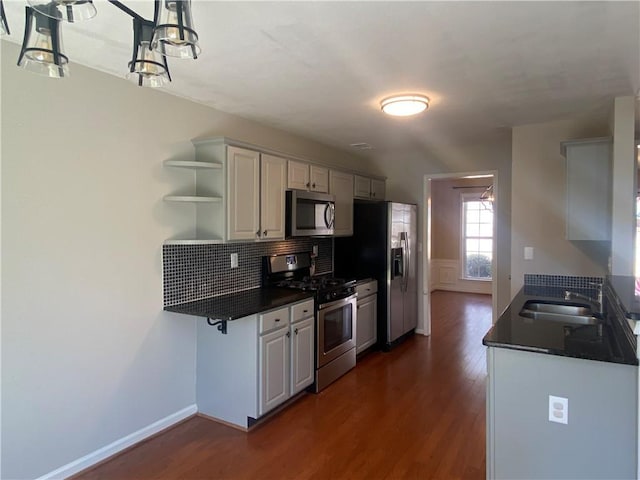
[(192, 199), (192, 164), (198, 241)]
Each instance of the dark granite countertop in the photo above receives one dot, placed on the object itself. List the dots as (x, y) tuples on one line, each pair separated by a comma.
[(627, 288), (240, 304), (603, 342)]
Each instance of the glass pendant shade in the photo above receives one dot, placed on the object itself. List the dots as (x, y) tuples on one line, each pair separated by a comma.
[(42, 50), (69, 10), (4, 26), (174, 34), (147, 68)]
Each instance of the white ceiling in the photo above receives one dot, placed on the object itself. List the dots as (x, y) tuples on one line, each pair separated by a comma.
[(320, 68)]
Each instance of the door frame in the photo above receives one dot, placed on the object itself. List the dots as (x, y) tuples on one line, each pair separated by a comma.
[(426, 241)]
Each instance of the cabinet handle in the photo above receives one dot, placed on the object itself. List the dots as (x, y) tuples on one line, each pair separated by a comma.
[(313, 185), (358, 307), (308, 185), (277, 320), (373, 194), (296, 330), (264, 233), (305, 311), (288, 334), (258, 233)]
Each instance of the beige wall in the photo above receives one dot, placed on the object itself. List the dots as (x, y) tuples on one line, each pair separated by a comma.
[(446, 213), (538, 201), (445, 266), (405, 183), (88, 355)]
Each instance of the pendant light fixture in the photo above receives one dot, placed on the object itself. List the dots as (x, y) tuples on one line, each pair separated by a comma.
[(170, 34), (404, 105), (68, 10), (4, 26), (174, 34), (147, 68), (42, 50)]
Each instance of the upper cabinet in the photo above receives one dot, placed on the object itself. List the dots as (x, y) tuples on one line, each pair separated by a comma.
[(234, 191), (303, 176), (369, 188), (589, 184), (340, 187), (256, 195)]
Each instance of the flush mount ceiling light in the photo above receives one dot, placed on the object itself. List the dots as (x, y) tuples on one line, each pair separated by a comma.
[(171, 33), (404, 105)]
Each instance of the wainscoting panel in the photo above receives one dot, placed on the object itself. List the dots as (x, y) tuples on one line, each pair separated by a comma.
[(445, 275)]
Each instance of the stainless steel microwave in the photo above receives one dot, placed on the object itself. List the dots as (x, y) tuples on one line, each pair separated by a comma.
[(309, 214)]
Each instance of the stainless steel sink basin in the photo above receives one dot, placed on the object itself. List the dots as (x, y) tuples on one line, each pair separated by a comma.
[(559, 312), (560, 308)]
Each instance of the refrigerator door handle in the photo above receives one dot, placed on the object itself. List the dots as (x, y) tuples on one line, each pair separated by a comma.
[(404, 238)]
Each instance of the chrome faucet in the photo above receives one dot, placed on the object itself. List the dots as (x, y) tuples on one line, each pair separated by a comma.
[(596, 303)]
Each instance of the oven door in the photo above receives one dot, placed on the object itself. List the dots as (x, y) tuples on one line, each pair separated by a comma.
[(336, 329)]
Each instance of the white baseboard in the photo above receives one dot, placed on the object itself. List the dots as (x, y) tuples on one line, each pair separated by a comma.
[(105, 452)]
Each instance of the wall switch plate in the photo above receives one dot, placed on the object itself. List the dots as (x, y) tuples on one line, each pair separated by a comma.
[(558, 409), (528, 253), (234, 260)]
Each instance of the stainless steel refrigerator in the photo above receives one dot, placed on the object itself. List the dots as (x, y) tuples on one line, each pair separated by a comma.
[(384, 247)]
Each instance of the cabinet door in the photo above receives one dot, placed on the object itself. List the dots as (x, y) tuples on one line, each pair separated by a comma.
[(361, 186), (366, 333), (319, 178), (272, 186), (243, 188), (302, 349), (298, 175), (377, 189), (340, 185), (589, 174), (274, 369)]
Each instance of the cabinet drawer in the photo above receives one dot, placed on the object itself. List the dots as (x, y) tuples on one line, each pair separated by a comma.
[(302, 310), (366, 289), (274, 319)]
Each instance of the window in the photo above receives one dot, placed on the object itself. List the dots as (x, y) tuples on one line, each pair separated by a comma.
[(477, 238)]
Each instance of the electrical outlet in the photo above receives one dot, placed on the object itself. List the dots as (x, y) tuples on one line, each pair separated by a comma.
[(528, 253), (234, 260), (558, 409)]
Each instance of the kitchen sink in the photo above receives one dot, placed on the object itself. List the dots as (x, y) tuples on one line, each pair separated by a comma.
[(559, 312)]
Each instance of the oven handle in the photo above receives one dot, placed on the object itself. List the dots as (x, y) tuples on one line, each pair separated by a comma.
[(342, 301)]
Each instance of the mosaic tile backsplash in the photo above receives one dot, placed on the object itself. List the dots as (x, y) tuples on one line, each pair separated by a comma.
[(564, 281), (193, 272)]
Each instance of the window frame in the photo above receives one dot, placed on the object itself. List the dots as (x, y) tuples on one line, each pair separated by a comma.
[(473, 197)]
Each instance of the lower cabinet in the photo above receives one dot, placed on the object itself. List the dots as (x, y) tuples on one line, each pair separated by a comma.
[(366, 318), (274, 369), (261, 362)]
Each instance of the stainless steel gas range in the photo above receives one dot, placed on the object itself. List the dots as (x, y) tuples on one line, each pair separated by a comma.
[(335, 301)]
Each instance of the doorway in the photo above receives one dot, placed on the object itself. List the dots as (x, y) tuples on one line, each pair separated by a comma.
[(460, 236)]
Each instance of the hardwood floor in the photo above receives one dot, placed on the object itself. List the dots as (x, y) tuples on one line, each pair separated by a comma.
[(416, 412)]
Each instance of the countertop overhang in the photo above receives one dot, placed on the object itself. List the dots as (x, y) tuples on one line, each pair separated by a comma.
[(240, 304), (604, 342)]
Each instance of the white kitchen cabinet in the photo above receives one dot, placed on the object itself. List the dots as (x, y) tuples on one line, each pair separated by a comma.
[(302, 353), (303, 176), (377, 189), (589, 189), (243, 185), (255, 184), (260, 363), (369, 188), (340, 187), (274, 369), (367, 315), (273, 176)]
